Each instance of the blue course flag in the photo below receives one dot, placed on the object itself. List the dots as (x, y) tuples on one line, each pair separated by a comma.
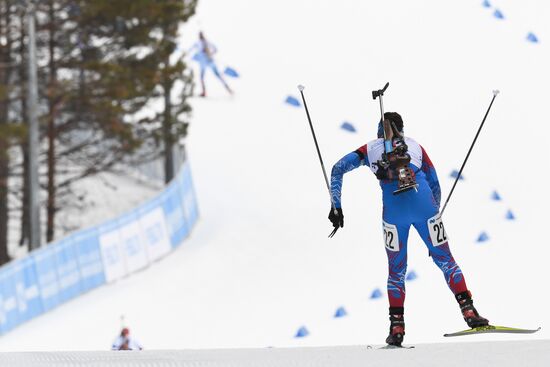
[(532, 38), (483, 236), (292, 101), (302, 332), (454, 174), (510, 215), (377, 293), (348, 127), (495, 196), (411, 275), (486, 4), (229, 71), (340, 312), (498, 14)]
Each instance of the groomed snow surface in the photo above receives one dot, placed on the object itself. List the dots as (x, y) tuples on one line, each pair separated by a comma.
[(533, 354), (259, 265)]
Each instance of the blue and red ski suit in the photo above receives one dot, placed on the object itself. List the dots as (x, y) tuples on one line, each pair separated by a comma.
[(417, 208)]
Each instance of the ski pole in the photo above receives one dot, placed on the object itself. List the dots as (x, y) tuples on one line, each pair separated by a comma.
[(495, 93), (301, 89)]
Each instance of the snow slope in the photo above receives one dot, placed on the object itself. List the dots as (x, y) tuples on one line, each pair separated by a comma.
[(504, 354), (259, 265)]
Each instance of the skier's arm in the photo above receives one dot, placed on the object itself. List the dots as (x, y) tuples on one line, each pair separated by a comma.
[(349, 162), (213, 49), (431, 176), (194, 47), (117, 344)]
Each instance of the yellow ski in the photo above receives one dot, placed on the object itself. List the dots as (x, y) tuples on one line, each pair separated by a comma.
[(493, 329)]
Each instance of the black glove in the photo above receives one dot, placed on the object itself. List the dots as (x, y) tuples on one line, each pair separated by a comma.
[(336, 216)]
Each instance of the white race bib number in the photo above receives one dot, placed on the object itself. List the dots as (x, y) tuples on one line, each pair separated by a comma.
[(391, 239), (437, 230)]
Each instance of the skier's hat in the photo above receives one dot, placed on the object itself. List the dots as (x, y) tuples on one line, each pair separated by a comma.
[(393, 117)]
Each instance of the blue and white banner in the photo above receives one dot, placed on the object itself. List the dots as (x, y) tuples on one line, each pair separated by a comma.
[(9, 315), (27, 293), (176, 222), (68, 272), (153, 223), (112, 251), (46, 272), (187, 195), (89, 258), (133, 242)]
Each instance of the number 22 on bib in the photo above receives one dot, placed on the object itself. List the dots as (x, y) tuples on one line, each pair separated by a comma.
[(391, 239), (437, 230)]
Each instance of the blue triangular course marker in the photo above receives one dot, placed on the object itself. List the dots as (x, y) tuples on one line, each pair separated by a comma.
[(532, 38), (302, 332), (377, 293), (292, 101), (454, 174), (510, 215), (498, 14), (411, 275), (483, 237), (348, 127), (486, 4), (495, 196), (229, 71), (340, 312)]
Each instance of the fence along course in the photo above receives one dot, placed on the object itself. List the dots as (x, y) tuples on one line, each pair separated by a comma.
[(94, 256)]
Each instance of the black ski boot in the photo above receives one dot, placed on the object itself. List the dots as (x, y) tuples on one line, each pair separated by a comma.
[(469, 312), (397, 327)]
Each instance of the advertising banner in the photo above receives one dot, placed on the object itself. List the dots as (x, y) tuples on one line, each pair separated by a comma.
[(112, 251), (133, 242), (68, 272), (89, 258), (46, 272), (153, 223)]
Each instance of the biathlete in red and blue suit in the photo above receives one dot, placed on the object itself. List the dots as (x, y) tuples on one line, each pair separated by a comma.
[(419, 208)]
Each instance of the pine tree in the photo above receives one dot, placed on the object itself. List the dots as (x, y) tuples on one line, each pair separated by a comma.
[(9, 132), (101, 63)]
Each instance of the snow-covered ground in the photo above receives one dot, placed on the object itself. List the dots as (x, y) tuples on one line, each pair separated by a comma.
[(259, 265), (502, 354)]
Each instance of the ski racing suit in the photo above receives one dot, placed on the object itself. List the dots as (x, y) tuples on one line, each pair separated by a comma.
[(204, 56), (418, 208)]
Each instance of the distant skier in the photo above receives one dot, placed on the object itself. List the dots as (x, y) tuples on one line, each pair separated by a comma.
[(204, 55), (418, 208), (125, 342)]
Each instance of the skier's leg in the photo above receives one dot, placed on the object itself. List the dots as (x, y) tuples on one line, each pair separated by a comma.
[(438, 246), (203, 71), (434, 236), (395, 240), (217, 73)]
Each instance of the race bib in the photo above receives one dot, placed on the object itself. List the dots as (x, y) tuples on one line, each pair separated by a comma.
[(391, 239), (437, 231)]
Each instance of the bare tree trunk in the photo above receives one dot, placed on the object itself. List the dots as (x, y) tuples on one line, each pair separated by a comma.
[(50, 206), (25, 226), (167, 134), (4, 216), (5, 70)]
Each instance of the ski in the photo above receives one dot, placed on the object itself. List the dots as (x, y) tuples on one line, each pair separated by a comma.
[(493, 329), (397, 347)]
